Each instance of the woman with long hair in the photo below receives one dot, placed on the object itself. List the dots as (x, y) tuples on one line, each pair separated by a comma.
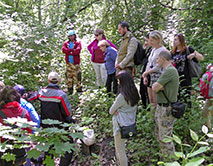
[(98, 57), (124, 111), (152, 68), (181, 54), (9, 106)]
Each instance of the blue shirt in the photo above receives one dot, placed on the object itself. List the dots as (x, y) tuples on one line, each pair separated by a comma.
[(31, 110), (70, 60), (110, 57)]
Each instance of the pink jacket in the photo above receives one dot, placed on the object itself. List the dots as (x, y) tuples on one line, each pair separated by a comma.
[(74, 51), (94, 45)]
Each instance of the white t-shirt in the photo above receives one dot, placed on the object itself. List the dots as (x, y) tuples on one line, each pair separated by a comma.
[(152, 60)]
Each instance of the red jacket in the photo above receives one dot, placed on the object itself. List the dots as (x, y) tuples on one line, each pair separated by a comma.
[(75, 51), (13, 110)]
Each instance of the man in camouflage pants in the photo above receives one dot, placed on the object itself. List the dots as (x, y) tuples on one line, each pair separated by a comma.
[(169, 83), (72, 49)]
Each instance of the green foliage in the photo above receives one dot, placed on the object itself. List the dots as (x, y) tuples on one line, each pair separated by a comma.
[(53, 140), (192, 158), (32, 34)]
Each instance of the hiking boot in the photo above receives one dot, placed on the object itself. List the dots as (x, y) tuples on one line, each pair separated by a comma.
[(70, 91), (79, 89)]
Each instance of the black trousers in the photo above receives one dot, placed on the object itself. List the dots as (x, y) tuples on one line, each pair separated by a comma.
[(144, 94), (65, 161), (111, 79)]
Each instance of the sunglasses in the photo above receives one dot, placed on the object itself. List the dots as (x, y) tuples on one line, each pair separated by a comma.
[(96, 34)]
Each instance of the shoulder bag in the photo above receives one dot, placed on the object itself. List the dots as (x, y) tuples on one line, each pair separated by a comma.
[(128, 131), (178, 108), (195, 69)]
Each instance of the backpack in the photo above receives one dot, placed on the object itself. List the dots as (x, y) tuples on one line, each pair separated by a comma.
[(205, 84), (195, 69), (139, 54)]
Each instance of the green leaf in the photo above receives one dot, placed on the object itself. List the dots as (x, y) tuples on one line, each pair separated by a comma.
[(199, 151), (58, 146), (205, 129), (42, 147), (33, 154), (49, 161), (160, 162), (177, 139), (186, 145), (172, 164), (9, 157), (77, 135), (95, 155), (179, 154), (166, 140), (193, 135), (195, 162), (203, 143), (210, 135), (50, 121)]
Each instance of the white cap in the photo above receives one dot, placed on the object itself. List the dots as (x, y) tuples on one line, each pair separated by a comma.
[(53, 76)]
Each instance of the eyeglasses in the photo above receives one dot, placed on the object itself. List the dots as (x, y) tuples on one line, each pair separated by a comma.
[(96, 35)]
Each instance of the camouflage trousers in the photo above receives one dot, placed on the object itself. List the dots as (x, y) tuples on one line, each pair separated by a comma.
[(164, 127), (73, 74), (207, 113)]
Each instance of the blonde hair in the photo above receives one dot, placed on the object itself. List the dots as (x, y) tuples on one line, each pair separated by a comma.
[(156, 35), (103, 42)]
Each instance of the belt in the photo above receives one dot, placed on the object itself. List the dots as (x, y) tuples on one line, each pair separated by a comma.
[(163, 104)]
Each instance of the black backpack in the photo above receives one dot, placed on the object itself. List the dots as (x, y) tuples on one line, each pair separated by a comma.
[(139, 54)]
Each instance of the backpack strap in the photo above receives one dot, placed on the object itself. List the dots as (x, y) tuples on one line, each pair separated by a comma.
[(166, 97), (23, 113), (130, 38), (2, 115), (187, 50)]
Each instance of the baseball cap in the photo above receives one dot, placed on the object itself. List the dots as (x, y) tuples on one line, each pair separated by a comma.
[(53, 76), (20, 89), (72, 32)]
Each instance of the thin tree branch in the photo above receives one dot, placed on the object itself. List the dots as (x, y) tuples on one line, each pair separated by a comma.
[(80, 10), (170, 7)]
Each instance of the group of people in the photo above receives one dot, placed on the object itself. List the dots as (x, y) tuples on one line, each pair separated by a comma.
[(164, 73), (55, 105)]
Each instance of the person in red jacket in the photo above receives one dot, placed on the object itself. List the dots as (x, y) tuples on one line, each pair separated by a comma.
[(9, 104), (72, 49), (10, 108)]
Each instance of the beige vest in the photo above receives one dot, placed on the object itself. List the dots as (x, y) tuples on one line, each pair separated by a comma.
[(123, 48)]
